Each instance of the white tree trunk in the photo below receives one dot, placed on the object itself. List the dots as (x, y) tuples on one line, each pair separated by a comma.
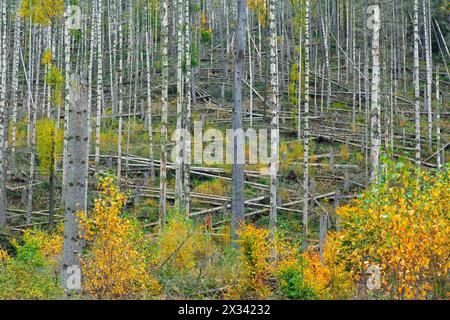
[(68, 72), (120, 96), (180, 102), (3, 92), (274, 106), (429, 71), (149, 95), (99, 32), (250, 70), (375, 107), (300, 78), (417, 80), (15, 88), (165, 106), (438, 121)]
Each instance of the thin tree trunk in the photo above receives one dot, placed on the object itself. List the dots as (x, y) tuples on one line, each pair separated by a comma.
[(375, 107), (237, 196), (149, 95), (3, 91), (438, 122), (180, 101), (15, 88), (165, 93), (187, 112), (274, 105), (429, 72), (120, 96), (306, 125), (417, 80), (99, 28)]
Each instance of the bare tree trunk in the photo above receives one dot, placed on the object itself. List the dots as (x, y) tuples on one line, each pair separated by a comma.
[(375, 108), (99, 32), (237, 196), (274, 105), (327, 59), (300, 77), (32, 161), (417, 80), (187, 110), (112, 60), (222, 47), (429, 67), (149, 94), (52, 182), (77, 170), (68, 72), (3, 91), (438, 121), (306, 124), (180, 101), (120, 95), (165, 93), (15, 88), (250, 71)]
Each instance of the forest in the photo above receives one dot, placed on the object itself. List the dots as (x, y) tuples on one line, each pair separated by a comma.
[(224, 150)]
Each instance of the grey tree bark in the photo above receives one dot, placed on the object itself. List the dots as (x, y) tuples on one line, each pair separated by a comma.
[(77, 170), (306, 122), (237, 192)]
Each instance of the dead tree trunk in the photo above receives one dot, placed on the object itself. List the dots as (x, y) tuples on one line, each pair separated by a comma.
[(237, 205), (77, 170)]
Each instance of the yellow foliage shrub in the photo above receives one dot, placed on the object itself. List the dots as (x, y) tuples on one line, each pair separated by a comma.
[(344, 152), (49, 145), (4, 255), (217, 187), (255, 254), (33, 271), (263, 259), (49, 243), (403, 228), (328, 277), (181, 244), (115, 266)]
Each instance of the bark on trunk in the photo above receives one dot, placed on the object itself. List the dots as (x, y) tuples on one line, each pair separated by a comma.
[(77, 170)]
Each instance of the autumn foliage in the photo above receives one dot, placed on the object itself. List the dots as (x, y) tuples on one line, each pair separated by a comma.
[(402, 227), (32, 271), (263, 259), (42, 12), (115, 265), (49, 145)]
